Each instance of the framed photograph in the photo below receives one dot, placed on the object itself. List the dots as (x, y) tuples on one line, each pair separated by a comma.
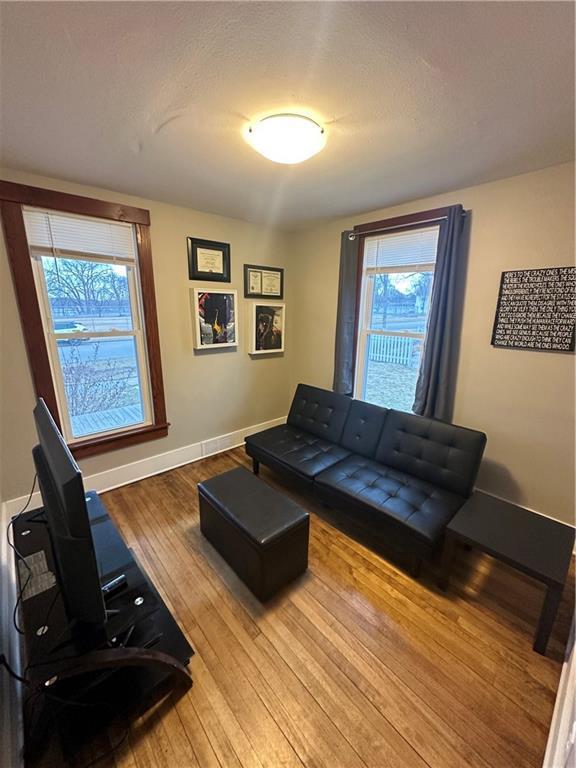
[(263, 282), (268, 328), (208, 260), (216, 319)]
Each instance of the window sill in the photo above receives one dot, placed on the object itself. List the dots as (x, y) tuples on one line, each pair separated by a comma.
[(96, 445)]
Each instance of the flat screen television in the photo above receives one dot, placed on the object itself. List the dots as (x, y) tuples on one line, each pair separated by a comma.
[(65, 507)]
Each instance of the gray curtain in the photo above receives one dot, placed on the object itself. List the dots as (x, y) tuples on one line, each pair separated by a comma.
[(435, 387), (346, 317)]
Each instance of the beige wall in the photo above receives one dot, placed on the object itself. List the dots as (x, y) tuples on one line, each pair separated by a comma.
[(523, 400), (208, 393)]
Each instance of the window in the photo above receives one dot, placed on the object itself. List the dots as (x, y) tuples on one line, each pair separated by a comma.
[(83, 278), (86, 276), (395, 291)]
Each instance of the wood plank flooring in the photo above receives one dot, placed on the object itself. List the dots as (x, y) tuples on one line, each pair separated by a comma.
[(356, 664)]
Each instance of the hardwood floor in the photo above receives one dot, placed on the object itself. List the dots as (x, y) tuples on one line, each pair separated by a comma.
[(355, 664)]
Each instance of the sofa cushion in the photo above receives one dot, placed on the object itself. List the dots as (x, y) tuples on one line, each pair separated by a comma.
[(443, 454), (304, 453), (397, 496), (363, 427), (320, 412)]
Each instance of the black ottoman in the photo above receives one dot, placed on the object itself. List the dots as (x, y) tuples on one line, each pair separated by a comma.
[(260, 533)]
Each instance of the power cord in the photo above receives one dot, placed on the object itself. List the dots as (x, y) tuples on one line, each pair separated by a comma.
[(13, 520), (20, 556), (38, 641), (4, 661), (113, 747), (66, 702), (50, 697)]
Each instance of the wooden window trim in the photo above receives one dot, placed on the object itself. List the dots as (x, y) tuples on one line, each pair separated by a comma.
[(12, 198), (371, 228), (62, 201), (96, 445)]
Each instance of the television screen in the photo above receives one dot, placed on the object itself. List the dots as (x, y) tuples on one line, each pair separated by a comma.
[(64, 501)]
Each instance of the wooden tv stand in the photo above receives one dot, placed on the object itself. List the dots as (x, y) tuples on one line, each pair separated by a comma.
[(83, 678)]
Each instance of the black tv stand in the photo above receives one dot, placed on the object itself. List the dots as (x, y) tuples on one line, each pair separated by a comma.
[(110, 588), (84, 676)]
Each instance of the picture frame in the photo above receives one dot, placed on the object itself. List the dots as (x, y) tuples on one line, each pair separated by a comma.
[(215, 318), (263, 282), (267, 327), (208, 260)]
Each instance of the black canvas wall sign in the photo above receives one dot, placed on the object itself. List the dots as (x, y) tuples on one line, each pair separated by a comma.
[(536, 309)]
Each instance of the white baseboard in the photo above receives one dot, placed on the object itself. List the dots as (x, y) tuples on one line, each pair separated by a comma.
[(562, 734), (138, 470), (11, 729), (162, 462), (102, 481)]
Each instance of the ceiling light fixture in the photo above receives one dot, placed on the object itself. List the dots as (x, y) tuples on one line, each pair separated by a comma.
[(286, 138)]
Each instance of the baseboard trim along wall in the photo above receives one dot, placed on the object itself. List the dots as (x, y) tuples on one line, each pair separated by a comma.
[(162, 462), (11, 729), (10, 692), (561, 747), (103, 481)]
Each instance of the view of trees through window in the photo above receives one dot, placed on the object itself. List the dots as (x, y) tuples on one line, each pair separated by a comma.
[(395, 335), (93, 325), (400, 301)]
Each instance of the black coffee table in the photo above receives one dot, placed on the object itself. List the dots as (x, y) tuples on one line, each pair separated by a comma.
[(532, 543)]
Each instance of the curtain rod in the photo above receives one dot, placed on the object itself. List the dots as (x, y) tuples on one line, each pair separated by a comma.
[(354, 235)]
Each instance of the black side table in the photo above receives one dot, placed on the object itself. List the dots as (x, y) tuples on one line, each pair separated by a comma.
[(532, 543)]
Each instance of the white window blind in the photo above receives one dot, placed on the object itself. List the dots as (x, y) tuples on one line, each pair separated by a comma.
[(399, 249), (54, 232)]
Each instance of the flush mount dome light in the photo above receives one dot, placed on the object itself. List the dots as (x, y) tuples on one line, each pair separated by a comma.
[(286, 138)]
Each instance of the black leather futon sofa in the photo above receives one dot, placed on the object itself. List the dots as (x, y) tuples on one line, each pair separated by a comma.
[(399, 477)]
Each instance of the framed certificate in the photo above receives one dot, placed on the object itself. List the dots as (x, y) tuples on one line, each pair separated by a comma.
[(263, 282), (208, 260)]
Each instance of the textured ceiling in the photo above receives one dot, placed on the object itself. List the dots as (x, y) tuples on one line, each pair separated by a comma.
[(418, 98)]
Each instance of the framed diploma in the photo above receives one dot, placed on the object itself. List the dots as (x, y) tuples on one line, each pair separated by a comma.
[(263, 282), (208, 260)]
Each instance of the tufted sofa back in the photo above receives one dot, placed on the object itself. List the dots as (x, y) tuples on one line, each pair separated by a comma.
[(443, 454), (363, 428), (319, 411)]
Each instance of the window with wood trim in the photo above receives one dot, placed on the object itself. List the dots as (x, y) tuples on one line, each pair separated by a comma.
[(83, 278), (395, 288)]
